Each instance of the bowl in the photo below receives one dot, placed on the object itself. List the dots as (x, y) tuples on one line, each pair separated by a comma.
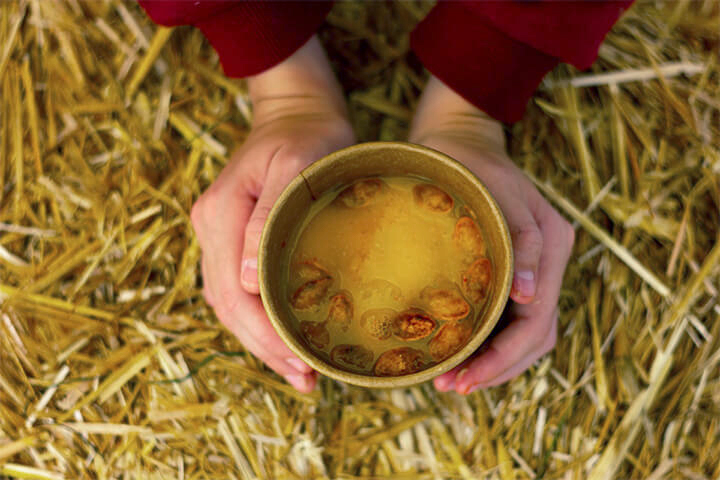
[(370, 160)]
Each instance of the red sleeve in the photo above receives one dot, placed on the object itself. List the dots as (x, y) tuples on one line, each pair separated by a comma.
[(249, 37), (495, 53)]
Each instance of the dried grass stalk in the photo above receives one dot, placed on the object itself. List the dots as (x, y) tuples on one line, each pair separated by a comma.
[(113, 366)]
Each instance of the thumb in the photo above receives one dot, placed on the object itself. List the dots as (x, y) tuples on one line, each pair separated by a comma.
[(253, 231), (527, 242), (284, 166)]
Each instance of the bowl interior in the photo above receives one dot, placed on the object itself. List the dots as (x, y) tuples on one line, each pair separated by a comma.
[(368, 160)]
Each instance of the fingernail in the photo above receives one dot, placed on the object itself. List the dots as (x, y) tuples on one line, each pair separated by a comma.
[(525, 283), (298, 381), (249, 271), (468, 389), (298, 365)]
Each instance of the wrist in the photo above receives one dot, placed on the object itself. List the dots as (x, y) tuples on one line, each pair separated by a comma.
[(441, 111), (303, 80)]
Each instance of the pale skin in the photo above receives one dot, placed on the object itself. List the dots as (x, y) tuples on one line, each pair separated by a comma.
[(300, 116)]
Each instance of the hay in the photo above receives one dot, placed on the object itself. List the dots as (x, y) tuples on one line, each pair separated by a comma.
[(112, 365)]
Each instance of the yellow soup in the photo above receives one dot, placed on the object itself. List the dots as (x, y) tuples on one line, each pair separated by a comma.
[(387, 276)]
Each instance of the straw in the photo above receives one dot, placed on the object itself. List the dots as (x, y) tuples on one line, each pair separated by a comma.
[(112, 365)]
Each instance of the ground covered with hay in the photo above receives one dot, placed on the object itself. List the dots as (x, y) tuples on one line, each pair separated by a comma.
[(113, 366)]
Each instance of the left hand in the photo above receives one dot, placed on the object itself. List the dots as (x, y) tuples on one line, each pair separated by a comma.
[(299, 116), (542, 239)]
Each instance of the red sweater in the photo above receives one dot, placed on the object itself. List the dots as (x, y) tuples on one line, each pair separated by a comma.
[(493, 53)]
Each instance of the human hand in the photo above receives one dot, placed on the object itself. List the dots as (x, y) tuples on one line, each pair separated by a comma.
[(542, 239), (299, 116)]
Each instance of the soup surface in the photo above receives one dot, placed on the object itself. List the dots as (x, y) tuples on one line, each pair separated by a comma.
[(387, 276)]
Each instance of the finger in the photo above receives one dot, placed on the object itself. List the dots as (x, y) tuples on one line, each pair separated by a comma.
[(284, 167), (527, 243), (527, 238), (219, 228), (256, 331), (446, 381), (522, 337), (303, 382), (519, 366), (534, 317), (263, 341), (558, 238), (253, 232), (531, 322), (526, 362)]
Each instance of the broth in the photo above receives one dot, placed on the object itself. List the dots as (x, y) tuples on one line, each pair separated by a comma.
[(387, 276)]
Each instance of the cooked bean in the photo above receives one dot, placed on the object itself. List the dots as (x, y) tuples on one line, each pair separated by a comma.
[(432, 198), (450, 338), (476, 279), (378, 322), (413, 324), (316, 333), (309, 270), (360, 193), (445, 304), (469, 239), (341, 310), (311, 293), (398, 361), (351, 356)]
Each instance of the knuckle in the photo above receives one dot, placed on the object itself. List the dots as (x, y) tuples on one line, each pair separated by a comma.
[(564, 229), (203, 208), (294, 159), (256, 224), (528, 238)]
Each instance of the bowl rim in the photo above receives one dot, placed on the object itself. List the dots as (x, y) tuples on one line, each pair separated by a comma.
[(492, 313)]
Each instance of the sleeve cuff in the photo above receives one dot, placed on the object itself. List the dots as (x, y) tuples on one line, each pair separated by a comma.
[(251, 37), (489, 69)]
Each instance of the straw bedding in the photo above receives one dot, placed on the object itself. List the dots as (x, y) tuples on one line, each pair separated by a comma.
[(112, 365)]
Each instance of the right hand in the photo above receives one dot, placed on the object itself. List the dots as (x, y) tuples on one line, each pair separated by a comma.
[(542, 240), (299, 117)]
